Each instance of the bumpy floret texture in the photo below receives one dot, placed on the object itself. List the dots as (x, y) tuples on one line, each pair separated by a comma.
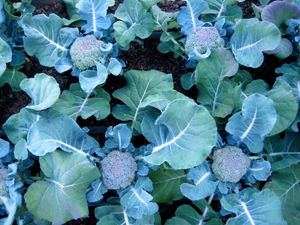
[(118, 170), (230, 164), (85, 52), (203, 39)]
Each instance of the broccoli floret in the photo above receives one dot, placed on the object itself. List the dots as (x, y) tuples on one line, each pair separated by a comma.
[(85, 52), (118, 170), (230, 164), (203, 39)]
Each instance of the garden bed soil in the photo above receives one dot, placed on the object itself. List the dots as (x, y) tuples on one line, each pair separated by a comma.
[(138, 57)]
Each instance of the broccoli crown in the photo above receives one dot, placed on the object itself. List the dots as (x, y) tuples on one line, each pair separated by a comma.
[(118, 170), (85, 52), (230, 164), (203, 39)]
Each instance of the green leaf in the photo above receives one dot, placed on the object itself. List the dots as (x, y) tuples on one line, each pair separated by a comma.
[(90, 79), (166, 184), (286, 184), (283, 99), (140, 85), (136, 200), (13, 78), (215, 89), (204, 183), (177, 136), (278, 12), (54, 131), (283, 152), (63, 191), (176, 221), (254, 207), (251, 38), (75, 103), (45, 38), (42, 89), (5, 55), (17, 125), (254, 122), (134, 21)]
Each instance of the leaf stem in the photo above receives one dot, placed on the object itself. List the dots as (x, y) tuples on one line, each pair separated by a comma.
[(206, 209)]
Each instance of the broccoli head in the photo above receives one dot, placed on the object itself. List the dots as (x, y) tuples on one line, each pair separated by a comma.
[(203, 39), (230, 164), (118, 170), (85, 52)]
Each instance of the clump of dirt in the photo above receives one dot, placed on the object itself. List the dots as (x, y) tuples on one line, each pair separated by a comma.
[(171, 6), (50, 6), (11, 102)]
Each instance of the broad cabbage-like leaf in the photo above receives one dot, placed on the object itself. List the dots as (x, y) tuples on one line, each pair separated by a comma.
[(5, 55), (17, 126), (2, 16), (188, 16), (136, 200), (189, 214), (184, 139), (283, 99), (215, 89), (118, 137), (286, 184), (114, 214), (260, 170), (45, 38), (75, 103), (278, 12), (94, 13), (43, 90), (90, 79), (254, 122), (58, 131), (63, 191), (251, 38), (291, 75), (166, 184), (134, 21), (13, 78), (254, 207), (140, 85), (283, 152), (203, 184)]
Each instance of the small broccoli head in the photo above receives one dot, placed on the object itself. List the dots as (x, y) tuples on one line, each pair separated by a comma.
[(118, 170), (85, 52), (230, 164), (203, 39)]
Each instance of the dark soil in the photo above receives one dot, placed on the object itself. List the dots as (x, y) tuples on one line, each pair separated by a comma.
[(11, 102), (171, 6), (50, 6)]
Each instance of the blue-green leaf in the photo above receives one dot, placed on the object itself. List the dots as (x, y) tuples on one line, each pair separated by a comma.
[(251, 38), (68, 176), (137, 202), (188, 16), (43, 90), (254, 207), (203, 184), (177, 136), (134, 21), (5, 55), (45, 38), (50, 133), (94, 13), (254, 122)]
